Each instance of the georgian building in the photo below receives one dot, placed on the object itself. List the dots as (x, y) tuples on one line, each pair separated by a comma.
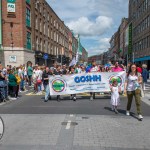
[(139, 20), (30, 31)]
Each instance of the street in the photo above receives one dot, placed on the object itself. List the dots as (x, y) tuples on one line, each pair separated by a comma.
[(31, 123)]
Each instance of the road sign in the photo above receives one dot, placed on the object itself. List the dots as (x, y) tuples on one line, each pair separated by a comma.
[(10, 7), (11, 1), (45, 56)]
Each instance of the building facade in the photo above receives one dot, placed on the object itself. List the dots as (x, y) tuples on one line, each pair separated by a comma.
[(32, 32), (16, 32), (139, 19)]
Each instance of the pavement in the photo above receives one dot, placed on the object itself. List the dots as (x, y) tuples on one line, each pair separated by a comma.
[(32, 124)]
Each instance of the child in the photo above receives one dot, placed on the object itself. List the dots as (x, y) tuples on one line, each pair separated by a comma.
[(115, 100)]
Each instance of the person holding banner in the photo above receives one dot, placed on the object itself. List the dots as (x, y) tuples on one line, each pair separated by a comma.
[(132, 88), (72, 71), (58, 71), (94, 68), (45, 78)]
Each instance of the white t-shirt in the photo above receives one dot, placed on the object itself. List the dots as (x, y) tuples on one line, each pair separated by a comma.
[(39, 74), (94, 69), (132, 82)]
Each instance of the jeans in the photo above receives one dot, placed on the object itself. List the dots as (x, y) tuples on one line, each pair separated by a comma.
[(136, 94), (4, 92), (12, 90), (29, 77), (39, 87), (22, 85), (47, 92)]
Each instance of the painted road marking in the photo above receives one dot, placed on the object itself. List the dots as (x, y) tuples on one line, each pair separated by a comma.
[(71, 115), (68, 125)]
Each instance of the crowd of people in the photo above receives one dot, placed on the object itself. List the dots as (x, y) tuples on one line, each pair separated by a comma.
[(15, 79)]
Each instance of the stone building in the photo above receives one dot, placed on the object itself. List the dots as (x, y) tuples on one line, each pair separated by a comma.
[(139, 20)]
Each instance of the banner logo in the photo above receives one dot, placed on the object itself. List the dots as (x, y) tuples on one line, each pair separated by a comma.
[(117, 78), (58, 85)]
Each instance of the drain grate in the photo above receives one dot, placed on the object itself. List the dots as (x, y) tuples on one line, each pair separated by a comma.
[(85, 117), (71, 124)]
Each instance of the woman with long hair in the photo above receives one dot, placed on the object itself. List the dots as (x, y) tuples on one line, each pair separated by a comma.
[(132, 88)]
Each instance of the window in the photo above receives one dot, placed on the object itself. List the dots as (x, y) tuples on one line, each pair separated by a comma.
[(37, 43), (48, 31), (51, 34), (54, 36), (28, 40), (52, 49), (54, 23), (48, 16), (40, 25), (36, 22), (44, 48), (28, 17), (44, 28), (41, 44)]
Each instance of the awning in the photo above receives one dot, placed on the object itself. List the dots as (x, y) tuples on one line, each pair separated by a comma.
[(142, 58)]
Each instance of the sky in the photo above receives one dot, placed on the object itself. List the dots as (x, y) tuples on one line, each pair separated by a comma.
[(94, 20)]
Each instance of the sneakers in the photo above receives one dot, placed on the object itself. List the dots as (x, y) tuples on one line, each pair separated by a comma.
[(13, 98), (127, 113), (140, 117), (91, 98), (74, 99)]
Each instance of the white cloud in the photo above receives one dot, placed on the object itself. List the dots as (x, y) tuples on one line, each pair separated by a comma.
[(102, 46), (85, 27)]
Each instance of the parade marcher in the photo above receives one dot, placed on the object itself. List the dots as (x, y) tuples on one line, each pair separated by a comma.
[(45, 77), (30, 73), (64, 70), (116, 68), (18, 82), (34, 78), (21, 75), (3, 84), (83, 69), (39, 80), (132, 88), (58, 71), (12, 85), (72, 71), (139, 68), (94, 68), (115, 100), (144, 75)]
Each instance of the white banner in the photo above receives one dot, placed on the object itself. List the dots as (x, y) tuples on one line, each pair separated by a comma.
[(86, 82)]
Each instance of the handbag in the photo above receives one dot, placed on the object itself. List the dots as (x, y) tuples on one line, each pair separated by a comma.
[(39, 81)]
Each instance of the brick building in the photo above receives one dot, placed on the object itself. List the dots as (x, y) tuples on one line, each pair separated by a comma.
[(16, 33), (123, 32), (31, 30), (139, 19)]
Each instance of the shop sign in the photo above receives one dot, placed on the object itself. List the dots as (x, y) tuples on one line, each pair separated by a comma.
[(13, 59), (11, 7)]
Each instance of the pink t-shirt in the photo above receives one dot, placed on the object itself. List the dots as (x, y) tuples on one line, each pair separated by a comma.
[(117, 69)]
